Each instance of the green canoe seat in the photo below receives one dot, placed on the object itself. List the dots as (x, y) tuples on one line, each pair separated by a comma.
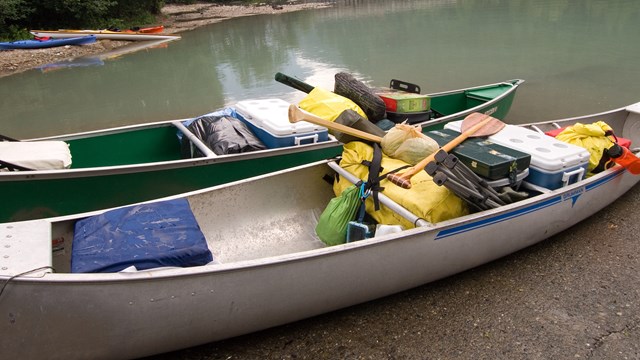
[(485, 94)]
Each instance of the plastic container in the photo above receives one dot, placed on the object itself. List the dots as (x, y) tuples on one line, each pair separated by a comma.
[(554, 163), (402, 102), (269, 120), (486, 158)]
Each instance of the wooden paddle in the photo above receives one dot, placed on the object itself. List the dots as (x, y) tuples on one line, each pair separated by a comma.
[(296, 114), (475, 124)]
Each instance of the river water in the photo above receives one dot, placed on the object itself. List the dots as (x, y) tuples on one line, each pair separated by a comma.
[(577, 57)]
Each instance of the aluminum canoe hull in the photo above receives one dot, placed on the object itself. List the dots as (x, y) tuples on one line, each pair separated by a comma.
[(129, 315)]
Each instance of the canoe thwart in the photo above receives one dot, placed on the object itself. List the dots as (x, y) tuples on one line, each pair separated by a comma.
[(194, 139)]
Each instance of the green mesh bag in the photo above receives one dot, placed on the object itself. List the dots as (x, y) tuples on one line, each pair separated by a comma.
[(332, 225)]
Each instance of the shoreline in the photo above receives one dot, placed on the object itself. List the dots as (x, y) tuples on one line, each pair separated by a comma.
[(175, 18)]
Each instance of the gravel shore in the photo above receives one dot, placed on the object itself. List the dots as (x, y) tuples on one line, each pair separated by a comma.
[(175, 18)]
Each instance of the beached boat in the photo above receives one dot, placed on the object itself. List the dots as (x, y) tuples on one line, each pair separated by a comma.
[(141, 162), (269, 268), (47, 43), (147, 30), (103, 34)]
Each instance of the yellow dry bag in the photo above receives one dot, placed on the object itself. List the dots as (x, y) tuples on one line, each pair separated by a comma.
[(327, 105), (589, 136)]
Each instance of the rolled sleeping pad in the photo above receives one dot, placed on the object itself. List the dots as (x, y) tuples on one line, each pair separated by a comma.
[(348, 86)]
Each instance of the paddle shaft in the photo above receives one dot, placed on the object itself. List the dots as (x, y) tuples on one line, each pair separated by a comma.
[(296, 114), (404, 180)]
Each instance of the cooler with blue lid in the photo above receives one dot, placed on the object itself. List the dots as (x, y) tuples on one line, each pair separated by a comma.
[(554, 163), (269, 120)]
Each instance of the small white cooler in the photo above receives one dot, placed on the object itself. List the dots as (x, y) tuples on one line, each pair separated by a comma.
[(269, 120), (554, 163)]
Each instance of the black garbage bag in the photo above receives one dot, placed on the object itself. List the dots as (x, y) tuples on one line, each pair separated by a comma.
[(223, 135)]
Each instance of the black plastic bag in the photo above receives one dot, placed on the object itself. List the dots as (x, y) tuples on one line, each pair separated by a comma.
[(223, 135)]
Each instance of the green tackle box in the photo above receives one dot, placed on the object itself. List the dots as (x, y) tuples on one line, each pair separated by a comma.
[(485, 158)]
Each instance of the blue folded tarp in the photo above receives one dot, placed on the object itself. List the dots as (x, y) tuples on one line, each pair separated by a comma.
[(145, 236)]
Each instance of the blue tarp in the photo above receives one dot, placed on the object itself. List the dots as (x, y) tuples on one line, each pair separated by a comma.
[(145, 236)]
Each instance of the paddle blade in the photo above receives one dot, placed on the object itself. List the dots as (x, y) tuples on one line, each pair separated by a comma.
[(624, 157), (491, 127)]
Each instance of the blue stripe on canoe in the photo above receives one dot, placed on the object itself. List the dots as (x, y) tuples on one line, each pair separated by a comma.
[(519, 212), (605, 179), (496, 219)]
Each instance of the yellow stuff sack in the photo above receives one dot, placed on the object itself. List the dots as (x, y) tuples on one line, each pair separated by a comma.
[(425, 199), (589, 136), (327, 105)]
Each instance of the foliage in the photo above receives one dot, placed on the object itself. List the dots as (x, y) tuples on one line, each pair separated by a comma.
[(226, 1), (11, 12), (19, 16)]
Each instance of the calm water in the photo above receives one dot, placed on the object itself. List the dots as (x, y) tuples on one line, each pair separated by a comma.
[(577, 57)]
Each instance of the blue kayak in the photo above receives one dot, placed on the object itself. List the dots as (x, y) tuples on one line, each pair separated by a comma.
[(41, 44)]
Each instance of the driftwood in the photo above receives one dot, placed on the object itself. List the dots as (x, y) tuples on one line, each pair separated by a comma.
[(351, 88)]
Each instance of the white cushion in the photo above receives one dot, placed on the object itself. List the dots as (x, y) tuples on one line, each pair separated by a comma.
[(37, 155)]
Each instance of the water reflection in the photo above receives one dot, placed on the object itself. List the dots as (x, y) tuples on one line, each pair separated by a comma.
[(78, 62), (577, 57)]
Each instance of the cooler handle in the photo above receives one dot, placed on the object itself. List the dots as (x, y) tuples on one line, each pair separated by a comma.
[(299, 140), (568, 175)]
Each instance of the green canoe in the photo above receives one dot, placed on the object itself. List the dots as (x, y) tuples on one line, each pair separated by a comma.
[(129, 164)]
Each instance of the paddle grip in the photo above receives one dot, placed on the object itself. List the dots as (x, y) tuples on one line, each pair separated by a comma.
[(296, 114), (294, 83), (399, 181)]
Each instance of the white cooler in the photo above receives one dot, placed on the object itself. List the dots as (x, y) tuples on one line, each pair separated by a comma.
[(554, 163), (269, 120)]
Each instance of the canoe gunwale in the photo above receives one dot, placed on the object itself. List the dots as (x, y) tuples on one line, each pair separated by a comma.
[(159, 166), (515, 83)]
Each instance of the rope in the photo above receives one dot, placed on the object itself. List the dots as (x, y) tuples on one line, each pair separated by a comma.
[(22, 274)]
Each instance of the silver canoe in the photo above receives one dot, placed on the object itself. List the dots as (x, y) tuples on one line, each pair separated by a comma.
[(272, 268)]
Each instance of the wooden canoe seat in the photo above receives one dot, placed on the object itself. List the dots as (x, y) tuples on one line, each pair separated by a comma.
[(36, 155)]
